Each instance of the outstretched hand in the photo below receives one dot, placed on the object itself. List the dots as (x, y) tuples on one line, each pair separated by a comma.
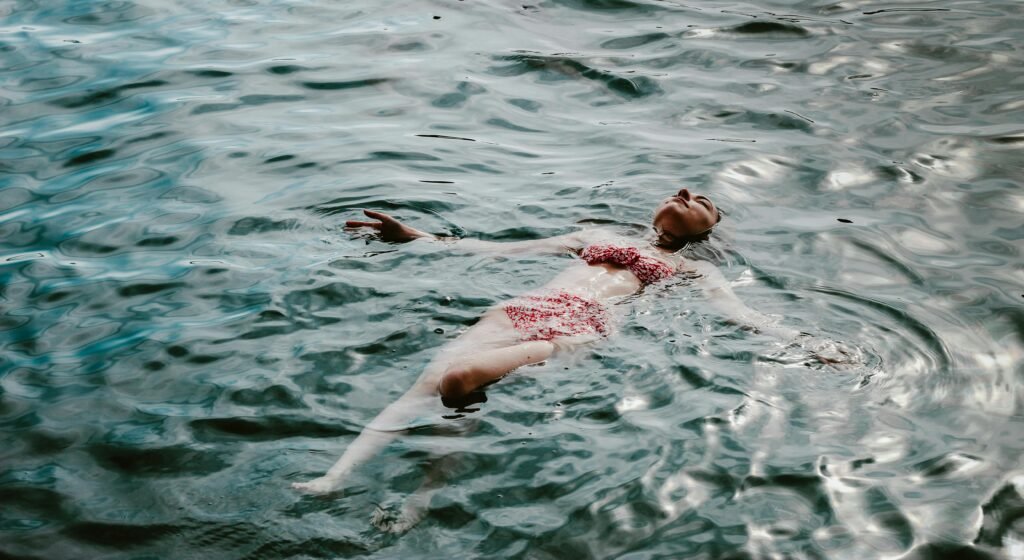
[(388, 228)]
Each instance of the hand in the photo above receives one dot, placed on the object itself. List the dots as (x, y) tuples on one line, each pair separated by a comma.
[(388, 228)]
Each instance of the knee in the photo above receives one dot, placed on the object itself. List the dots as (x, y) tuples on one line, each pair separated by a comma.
[(454, 383)]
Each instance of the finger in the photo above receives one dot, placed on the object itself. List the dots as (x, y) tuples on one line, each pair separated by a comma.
[(378, 215), (356, 223)]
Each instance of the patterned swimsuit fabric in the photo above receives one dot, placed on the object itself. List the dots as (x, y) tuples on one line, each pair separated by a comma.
[(560, 313)]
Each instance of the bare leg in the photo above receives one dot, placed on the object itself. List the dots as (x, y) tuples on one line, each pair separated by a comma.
[(474, 372), (368, 443), (415, 506), (471, 362)]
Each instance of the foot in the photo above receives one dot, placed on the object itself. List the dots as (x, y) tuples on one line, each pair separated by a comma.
[(317, 486), (398, 522)]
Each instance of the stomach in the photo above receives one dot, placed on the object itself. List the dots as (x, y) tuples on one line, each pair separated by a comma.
[(597, 281)]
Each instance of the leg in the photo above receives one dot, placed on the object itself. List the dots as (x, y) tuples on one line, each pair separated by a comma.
[(415, 506), (473, 372), (367, 444), (493, 329)]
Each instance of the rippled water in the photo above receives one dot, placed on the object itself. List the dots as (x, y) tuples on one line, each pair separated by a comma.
[(186, 329)]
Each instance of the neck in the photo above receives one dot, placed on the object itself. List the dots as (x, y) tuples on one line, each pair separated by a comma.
[(653, 240)]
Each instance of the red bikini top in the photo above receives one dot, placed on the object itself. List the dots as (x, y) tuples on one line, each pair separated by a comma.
[(647, 269)]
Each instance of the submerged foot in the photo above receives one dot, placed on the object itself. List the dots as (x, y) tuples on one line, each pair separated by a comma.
[(317, 486), (399, 521)]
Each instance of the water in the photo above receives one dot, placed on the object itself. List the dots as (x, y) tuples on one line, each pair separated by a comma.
[(186, 329)]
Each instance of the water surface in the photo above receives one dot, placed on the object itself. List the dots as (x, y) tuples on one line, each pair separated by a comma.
[(186, 329)]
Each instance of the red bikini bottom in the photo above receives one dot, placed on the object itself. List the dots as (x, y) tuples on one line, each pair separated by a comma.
[(558, 314)]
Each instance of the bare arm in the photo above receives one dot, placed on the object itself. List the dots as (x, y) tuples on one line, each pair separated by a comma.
[(721, 296), (390, 229)]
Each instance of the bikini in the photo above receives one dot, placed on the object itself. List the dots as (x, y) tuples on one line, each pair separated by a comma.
[(561, 314)]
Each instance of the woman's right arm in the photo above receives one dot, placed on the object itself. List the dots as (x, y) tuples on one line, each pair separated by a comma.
[(720, 295), (390, 229)]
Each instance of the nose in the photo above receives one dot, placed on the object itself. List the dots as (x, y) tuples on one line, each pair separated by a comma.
[(684, 194)]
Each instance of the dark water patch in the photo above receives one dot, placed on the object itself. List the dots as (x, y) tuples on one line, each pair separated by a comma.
[(204, 359), (263, 99), (277, 159), (776, 65), (609, 5), (231, 301), (445, 137), (110, 13), (558, 68), (37, 501), (245, 101), (264, 428), (525, 104), (900, 173), (103, 96), (273, 396), (331, 296), (394, 156), (946, 465), (233, 536), (120, 535), (150, 137), (261, 224), (45, 84), (1002, 516), (623, 43), (952, 551), (463, 92), (770, 29), (87, 99), (787, 120), (285, 69), (89, 157), (352, 84), (8, 322), (884, 257), (886, 514), (733, 140), (82, 248), (160, 241), (143, 289), (319, 547), (895, 10), (108, 180), (211, 73), (502, 123), (171, 461), (1007, 140), (409, 46)]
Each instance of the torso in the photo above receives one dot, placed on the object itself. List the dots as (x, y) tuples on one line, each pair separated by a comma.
[(602, 281)]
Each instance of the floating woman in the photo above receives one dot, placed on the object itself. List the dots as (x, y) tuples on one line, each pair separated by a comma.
[(571, 309)]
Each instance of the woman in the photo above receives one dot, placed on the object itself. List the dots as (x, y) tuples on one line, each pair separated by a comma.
[(571, 309)]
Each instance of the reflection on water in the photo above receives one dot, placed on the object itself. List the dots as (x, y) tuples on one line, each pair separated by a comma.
[(186, 329)]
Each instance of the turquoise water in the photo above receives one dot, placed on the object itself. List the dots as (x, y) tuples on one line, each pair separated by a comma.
[(186, 329)]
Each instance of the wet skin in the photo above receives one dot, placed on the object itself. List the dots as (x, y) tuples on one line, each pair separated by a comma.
[(684, 217)]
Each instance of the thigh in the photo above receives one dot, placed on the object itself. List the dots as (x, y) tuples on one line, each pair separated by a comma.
[(493, 330)]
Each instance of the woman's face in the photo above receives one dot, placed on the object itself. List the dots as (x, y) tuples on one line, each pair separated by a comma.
[(682, 217)]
